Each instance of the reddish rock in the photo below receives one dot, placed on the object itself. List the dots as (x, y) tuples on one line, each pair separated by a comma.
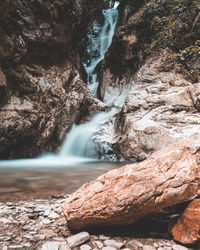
[(187, 227), (125, 195)]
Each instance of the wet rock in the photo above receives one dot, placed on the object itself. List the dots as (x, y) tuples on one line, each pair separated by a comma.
[(106, 201), (78, 239), (186, 228)]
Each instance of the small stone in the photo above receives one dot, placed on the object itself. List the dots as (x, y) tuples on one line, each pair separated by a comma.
[(5, 238), (99, 244), (5, 221), (26, 228), (155, 245), (135, 243), (53, 216), (179, 247), (103, 237), (114, 243), (167, 247), (85, 247), (27, 245), (161, 248), (15, 247), (65, 232), (78, 239), (48, 233), (28, 237), (55, 245), (46, 221), (39, 237), (148, 247), (47, 212), (109, 248)]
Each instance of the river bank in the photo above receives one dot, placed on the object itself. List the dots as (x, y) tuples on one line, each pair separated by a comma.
[(40, 224)]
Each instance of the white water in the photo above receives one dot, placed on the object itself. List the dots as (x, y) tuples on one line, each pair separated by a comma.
[(99, 44), (79, 141)]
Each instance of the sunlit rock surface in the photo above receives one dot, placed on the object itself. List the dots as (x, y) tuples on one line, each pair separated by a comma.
[(125, 195), (161, 108)]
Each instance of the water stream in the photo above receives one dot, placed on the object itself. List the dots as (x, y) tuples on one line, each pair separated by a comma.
[(99, 39)]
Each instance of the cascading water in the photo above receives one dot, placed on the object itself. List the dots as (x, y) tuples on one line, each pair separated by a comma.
[(98, 40), (79, 141)]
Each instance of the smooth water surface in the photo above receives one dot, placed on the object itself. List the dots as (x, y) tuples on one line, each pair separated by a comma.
[(23, 183)]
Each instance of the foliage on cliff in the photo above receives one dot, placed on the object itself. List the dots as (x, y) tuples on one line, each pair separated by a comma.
[(174, 24)]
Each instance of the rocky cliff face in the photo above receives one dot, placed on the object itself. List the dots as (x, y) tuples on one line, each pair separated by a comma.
[(41, 92), (155, 53)]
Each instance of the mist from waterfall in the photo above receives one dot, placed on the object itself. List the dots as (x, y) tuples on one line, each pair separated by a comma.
[(99, 39)]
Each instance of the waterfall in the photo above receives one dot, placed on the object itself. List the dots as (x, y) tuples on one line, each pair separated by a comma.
[(79, 141), (78, 145), (98, 40)]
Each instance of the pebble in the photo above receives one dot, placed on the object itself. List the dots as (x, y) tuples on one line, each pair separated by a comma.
[(46, 221), (78, 239), (53, 216), (114, 243), (135, 243), (5, 238), (5, 221), (179, 247), (55, 245), (15, 247), (148, 247), (103, 237), (27, 245), (99, 244), (85, 247), (47, 212), (109, 248)]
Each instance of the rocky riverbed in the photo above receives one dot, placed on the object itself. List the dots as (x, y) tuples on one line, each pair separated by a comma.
[(40, 224)]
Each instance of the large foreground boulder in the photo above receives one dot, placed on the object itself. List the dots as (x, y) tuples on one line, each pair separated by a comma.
[(125, 195)]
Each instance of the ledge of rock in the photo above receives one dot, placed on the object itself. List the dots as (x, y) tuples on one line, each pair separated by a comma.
[(125, 195), (186, 228)]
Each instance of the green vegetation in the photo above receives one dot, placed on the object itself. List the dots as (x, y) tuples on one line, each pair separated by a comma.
[(174, 24)]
